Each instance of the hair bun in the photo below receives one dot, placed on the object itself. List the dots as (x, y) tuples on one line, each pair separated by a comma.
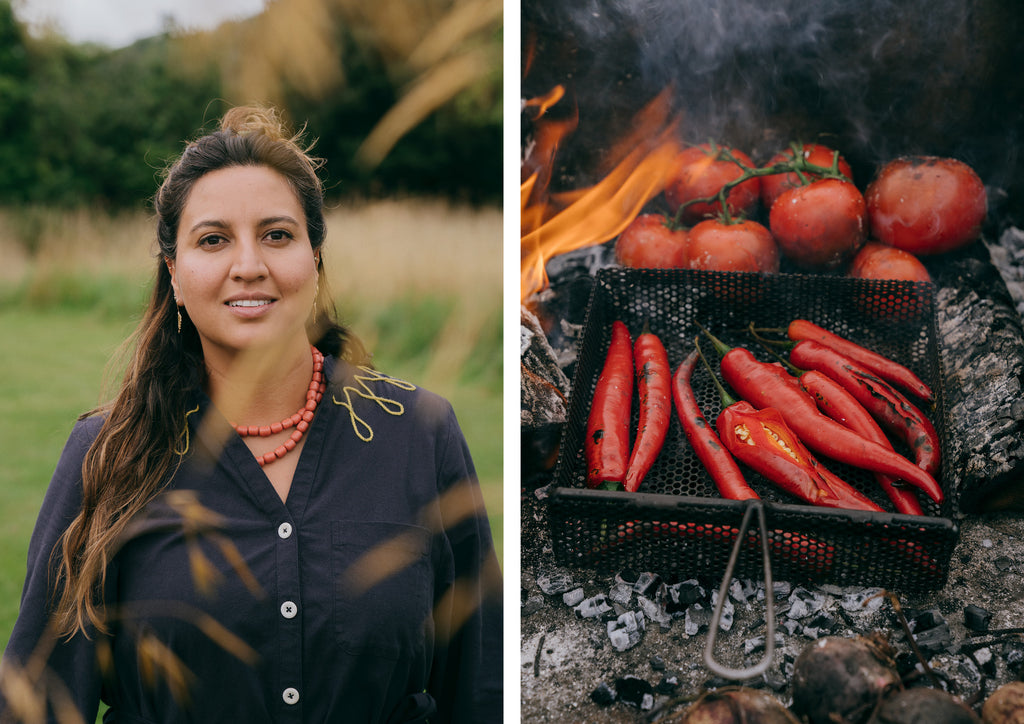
[(266, 121)]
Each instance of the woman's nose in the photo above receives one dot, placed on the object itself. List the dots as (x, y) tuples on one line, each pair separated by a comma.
[(248, 262)]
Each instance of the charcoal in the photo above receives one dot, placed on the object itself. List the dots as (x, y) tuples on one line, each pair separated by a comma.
[(697, 619), (982, 345), (635, 691), (544, 394), (646, 584), (555, 582), (728, 613), (627, 630), (924, 620), (986, 661), (668, 685), (603, 695), (977, 618), (804, 602), (593, 607), (628, 576), (867, 600), (620, 593), (679, 596), (1004, 564), (935, 639), (532, 605), (573, 598), (654, 612)]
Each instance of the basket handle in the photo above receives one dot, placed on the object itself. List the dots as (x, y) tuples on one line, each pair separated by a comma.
[(769, 643)]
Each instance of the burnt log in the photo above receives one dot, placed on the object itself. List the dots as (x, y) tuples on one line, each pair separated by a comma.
[(982, 346)]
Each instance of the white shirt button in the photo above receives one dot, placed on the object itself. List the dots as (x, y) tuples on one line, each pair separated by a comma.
[(289, 609), (290, 695), (284, 530)]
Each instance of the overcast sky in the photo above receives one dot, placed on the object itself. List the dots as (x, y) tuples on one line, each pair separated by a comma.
[(120, 22)]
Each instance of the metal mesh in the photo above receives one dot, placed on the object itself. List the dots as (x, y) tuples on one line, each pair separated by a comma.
[(677, 524)]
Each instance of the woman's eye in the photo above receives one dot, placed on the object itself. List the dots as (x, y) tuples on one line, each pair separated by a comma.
[(211, 240), (279, 235)]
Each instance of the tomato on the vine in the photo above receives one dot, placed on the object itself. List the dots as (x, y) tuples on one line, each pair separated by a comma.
[(701, 172), (649, 242), (738, 246), (926, 204), (820, 226), (774, 185)]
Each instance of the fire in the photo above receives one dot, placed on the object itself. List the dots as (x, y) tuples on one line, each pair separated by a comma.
[(558, 223)]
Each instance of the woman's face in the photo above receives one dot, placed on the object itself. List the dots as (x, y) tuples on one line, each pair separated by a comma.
[(245, 270)]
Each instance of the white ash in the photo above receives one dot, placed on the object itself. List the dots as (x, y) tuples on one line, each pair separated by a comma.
[(728, 613), (621, 593), (627, 630), (593, 607), (573, 598)]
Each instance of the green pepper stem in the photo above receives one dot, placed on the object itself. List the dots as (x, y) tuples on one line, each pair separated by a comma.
[(796, 371), (727, 399), (720, 347)]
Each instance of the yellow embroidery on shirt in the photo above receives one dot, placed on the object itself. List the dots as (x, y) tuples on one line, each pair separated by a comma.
[(185, 434), (362, 428)]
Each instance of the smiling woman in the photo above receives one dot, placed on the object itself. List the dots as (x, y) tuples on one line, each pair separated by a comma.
[(260, 527)]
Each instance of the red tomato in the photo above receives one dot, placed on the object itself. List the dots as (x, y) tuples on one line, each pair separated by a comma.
[(820, 226), (649, 243), (773, 186), (926, 205), (740, 246), (701, 172), (880, 261)]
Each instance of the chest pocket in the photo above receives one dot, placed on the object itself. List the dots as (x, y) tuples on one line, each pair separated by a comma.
[(383, 586)]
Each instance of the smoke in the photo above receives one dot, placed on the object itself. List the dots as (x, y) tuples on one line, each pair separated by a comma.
[(874, 78)]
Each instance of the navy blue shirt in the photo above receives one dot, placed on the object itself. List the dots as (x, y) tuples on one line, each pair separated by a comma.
[(371, 595)]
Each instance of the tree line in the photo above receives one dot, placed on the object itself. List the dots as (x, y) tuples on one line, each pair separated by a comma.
[(82, 124)]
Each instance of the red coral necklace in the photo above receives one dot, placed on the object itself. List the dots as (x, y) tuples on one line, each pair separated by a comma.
[(300, 420)]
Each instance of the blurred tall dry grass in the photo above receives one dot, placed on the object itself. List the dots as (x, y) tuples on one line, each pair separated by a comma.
[(418, 280)]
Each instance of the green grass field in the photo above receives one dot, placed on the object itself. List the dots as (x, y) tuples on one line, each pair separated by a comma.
[(60, 327)]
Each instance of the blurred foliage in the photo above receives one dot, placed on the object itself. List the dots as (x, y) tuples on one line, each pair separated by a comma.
[(384, 90)]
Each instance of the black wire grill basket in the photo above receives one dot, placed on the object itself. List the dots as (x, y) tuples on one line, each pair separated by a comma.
[(677, 524)]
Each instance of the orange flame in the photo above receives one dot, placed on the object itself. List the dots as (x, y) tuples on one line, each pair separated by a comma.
[(556, 224)]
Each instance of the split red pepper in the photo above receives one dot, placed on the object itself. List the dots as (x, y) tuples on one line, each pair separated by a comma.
[(719, 463), (653, 382), (765, 385), (606, 446), (762, 440), (833, 399), (879, 365), (885, 403)]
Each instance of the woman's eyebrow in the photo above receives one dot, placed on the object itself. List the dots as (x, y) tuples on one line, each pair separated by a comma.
[(284, 219), (219, 224)]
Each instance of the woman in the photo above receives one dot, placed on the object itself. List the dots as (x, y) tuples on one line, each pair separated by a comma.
[(257, 528)]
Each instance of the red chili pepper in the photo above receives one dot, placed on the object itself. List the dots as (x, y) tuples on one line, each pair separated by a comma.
[(879, 365), (762, 440), (833, 399), (719, 463), (885, 403), (607, 443), (763, 385), (653, 377)]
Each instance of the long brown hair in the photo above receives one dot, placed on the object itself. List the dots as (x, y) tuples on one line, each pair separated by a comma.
[(139, 444)]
